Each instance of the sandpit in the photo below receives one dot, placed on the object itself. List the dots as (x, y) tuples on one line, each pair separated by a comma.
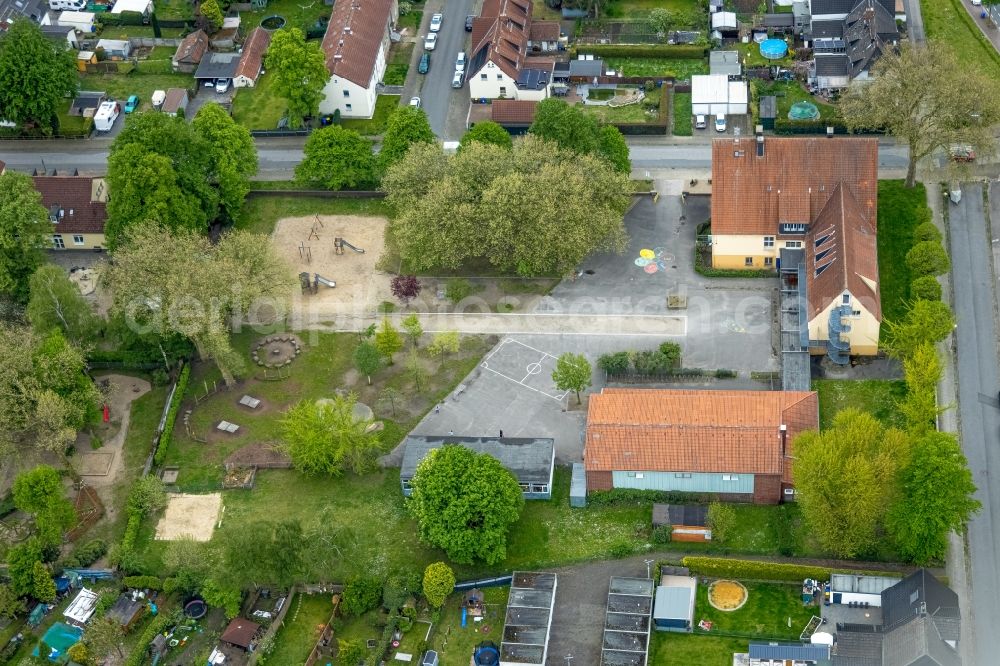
[(727, 595), (192, 516), (360, 287)]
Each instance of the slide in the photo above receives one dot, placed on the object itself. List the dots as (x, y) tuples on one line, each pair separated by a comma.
[(356, 249), (323, 281)]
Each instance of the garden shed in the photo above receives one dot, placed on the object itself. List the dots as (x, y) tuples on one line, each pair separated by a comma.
[(673, 608), (578, 487), (241, 632), (127, 611), (530, 605), (82, 607), (768, 111)]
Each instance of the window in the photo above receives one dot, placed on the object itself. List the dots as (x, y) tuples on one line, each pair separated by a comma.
[(822, 239), (525, 488), (914, 596), (483, 77), (499, 77), (539, 488), (503, 91), (77, 239), (57, 242), (768, 241), (793, 244), (769, 261), (748, 261), (847, 299), (407, 485), (821, 255), (730, 477), (636, 475), (347, 93), (789, 491), (856, 313), (682, 475), (347, 107), (792, 228)]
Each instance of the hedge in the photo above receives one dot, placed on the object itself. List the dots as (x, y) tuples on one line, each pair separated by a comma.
[(635, 496), (175, 406), (86, 554), (718, 567), (123, 18), (383, 645), (680, 51), (143, 582), (138, 655)]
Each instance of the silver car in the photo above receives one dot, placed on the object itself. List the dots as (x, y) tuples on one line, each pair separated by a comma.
[(460, 62), (458, 80)]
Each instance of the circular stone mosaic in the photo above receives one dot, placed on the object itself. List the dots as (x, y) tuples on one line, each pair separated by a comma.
[(276, 351)]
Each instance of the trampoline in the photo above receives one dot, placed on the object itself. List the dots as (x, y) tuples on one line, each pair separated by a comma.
[(60, 637), (803, 111), (486, 654), (772, 49), (195, 609)]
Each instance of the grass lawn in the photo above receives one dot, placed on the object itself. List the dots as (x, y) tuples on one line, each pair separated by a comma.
[(260, 214), (947, 21), (646, 111), (900, 210), (764, 615), (750, 57), (399, 64), (669, 649), (126, 31), (682, 114), (175, 10), (259, 108), (630, 8), (879, 397), (790, 92), (120, 86), (384, 106), (295, 640), (679, 68), (411, 20), (455, 644), (297, 14), (72, 124)]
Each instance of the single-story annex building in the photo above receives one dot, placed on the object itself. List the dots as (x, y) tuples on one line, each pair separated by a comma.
[(531, 461), (715, 93), (673, 606)]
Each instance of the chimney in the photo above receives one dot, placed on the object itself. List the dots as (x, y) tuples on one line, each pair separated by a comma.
[(760, 145)]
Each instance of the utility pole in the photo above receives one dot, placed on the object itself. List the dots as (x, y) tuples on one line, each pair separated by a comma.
[(649, 563)]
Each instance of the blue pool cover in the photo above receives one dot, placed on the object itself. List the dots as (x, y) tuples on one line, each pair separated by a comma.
[(773, 48)]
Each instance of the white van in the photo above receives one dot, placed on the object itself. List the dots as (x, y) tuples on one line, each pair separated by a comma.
[(107, 114), (67, 5)]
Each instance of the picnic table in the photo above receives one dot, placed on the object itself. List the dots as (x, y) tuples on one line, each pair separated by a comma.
[(226, 426), (249, 401)]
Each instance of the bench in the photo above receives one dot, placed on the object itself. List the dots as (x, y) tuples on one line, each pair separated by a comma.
[(458, 391)]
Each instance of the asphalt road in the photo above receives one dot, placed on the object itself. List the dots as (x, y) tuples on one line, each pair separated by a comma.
[(436, 92), (915, 22), (278, 157), (978, 383)]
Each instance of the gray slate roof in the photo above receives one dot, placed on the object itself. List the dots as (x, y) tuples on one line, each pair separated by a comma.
[(921, 591), (869, 30), (218, 66), (917, 642), (529, 460), (858, 649), (832, 64), (789, 651), (827, 29)]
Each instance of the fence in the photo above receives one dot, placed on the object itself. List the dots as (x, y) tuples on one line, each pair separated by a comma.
[(159, 430), (680, 375), (325, 637), (278, 133), (278, 622), (89, 509)]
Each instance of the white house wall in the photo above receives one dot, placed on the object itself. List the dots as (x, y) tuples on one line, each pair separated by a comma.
[(360, 99), (496, 84)]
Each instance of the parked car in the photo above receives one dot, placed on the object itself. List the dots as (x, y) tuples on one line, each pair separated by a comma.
[(700, 122), (458, 80), (720, 122), (976, 3), (415, 102), (468, 22), (436, 21), (221, 86), (962, 152), (460, 62), (425, 63), (430, 41), (132, 103)]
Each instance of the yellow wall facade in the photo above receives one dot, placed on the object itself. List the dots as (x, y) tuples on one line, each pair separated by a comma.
[(863, 334), (90, 241), (733, 251)]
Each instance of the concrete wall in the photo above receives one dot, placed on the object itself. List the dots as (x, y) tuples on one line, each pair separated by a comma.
[(864, 328)]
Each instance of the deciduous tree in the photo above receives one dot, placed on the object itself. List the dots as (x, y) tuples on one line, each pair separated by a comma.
[(572, 373), (326, 437), (233, 155), (660, 20), (226, 597), (387, 339), (415, 370), (337, 159), (24, 232), (936, 499), (612, 148), (439, 582), (39, 492), (299, 71), (21, 561), (487, 132), (922, 369), (361, 594), (925, 321), (10, 604), (405, 288), (390, 396), (367, 359), (568, 127), (147, 496), (413, 328), (43, 587), (927, 100), (212, 13), (925, 288), (928, 258), (845, 480), (465, 503), (406, 126), (445, 342), (36, 74), (55, 302)]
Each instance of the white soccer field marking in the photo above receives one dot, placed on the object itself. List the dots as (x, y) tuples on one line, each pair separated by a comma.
[(532, 368)]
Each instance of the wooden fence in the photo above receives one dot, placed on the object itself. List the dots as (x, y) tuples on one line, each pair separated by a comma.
[(276, 624), (326, 636), (89, 509)]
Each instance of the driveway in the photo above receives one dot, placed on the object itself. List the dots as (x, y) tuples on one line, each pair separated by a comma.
[(446, 107), (205, 95)]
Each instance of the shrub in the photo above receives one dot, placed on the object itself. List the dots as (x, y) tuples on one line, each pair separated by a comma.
[(86, 554), (671, 352), (718, 567), (614, 363), (636, 497), (928, 258), (725, 374), (143, 582), (105, 601), (175, 406), (147, 496), (361, 594), (662, 534), (926, 231), (925, 288), (138, 655), (722, 520), (458, 289), (439, 581), (621, 549)]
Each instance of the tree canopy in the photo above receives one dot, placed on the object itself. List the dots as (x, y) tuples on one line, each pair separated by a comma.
[(575, 130), (337, 159), (36, 75), (233, 155), (572, 373), (928, 100), (24, 232), (55, 302), (406, 126), (299, 71), (465, 503), (487, 132), (326, 437), (439, 582), (484, 204)]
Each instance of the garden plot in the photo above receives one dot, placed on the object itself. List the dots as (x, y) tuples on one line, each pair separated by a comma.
[(190, 516)]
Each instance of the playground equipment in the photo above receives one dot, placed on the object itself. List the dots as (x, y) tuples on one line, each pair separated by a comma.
[(320, 280), (314, 229), (486, 654), (339, 244), (195, 609), (306, 284), (305, 252)]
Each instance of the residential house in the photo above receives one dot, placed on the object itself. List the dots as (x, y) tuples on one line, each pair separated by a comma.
[(919, 625), (805, 205), (849, 37), (735, 445), (189, 54), (356, 45), (175, 101), (77, 208), (115, 49), (144, 7), (252, 58), (216, 66), (716, 93), (499, 65), (583, 69), (530, 460), (514, 115), (543, 36)]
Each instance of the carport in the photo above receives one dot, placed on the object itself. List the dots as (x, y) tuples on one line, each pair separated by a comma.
[(217, 66)]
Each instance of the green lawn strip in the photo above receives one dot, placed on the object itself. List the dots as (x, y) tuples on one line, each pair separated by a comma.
[(787, 93), (764, 615), (259, 108), (260, 214), (121, 86), (948, 22), (900, 210), (679, 68), (72, 124), (128, 31), (879, 397), (750, 57), (453, 643), (682, 114), (411, 20), (175, 10), (384, 106), (297, 14), (646, 111), (630, 8), (300, 631), (676, 649)]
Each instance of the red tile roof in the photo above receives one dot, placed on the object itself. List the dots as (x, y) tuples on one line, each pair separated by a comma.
[(354, 38), (74, 195), (544, 31), (791, 182), (695, 431), (847, 257), (192, 48), (502, 31), (174, 99), (253, 53), (240, 632), (512, 111)]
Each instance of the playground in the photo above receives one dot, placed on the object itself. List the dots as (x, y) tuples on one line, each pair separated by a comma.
[(310, 244), (190, 516)]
